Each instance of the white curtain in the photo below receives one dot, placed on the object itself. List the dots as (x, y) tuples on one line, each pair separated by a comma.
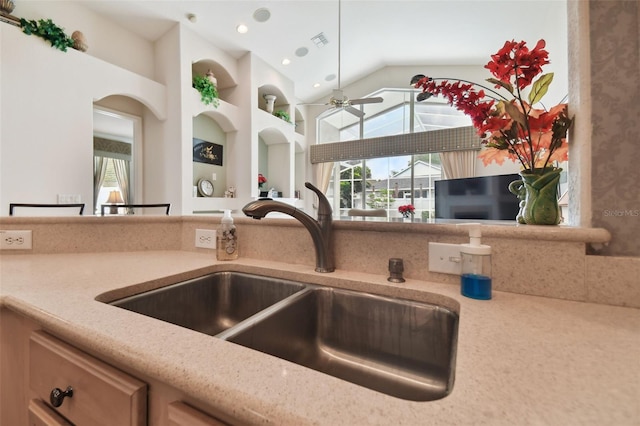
[(322, 173), (99, 172), (458, 164), (121, 168)]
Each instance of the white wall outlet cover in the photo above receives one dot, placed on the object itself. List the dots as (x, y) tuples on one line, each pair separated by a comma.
[(445, 258), (69, 198), (15, 240), (206, 238)]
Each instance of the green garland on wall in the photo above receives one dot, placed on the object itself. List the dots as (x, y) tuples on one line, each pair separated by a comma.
[(49, 31)]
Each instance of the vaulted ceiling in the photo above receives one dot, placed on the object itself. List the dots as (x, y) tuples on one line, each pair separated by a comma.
[(374, 33)]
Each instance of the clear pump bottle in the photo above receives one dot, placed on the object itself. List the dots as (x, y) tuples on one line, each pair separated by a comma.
[(227, 238), (476, 266)]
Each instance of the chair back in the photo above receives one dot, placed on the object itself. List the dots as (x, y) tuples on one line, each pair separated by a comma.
[(13, 207), (115, 209)]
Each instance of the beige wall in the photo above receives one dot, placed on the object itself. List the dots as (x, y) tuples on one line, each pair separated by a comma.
[(604, 67)]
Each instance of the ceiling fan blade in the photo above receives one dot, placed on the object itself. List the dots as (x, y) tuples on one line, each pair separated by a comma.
[(365, 101), (354, 111)]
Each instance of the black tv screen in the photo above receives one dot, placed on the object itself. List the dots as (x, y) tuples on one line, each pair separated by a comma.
[(482, 197)]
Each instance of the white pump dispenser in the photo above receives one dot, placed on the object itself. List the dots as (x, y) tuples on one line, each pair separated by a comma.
[(476, 265), (227, 238), (475, 245)]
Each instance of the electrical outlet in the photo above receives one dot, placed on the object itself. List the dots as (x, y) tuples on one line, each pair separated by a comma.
[(206, 238), (445, 258), (15, 240), (69, 198)]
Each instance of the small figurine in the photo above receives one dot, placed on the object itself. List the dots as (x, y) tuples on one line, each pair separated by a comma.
[(230, 192)]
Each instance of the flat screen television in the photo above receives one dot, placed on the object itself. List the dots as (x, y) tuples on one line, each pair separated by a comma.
[(482, 197)]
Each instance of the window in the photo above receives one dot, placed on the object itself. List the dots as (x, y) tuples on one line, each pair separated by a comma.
[(387, 181)]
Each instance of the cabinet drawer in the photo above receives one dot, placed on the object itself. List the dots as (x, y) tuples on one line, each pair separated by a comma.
[(102, 395), (40, 414)]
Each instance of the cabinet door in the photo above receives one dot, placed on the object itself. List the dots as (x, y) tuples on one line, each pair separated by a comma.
[(102, 395), (41, 415)]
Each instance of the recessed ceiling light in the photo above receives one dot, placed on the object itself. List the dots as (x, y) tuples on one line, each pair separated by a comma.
[(330, 77), (242, 29), (262, 14), (286, 61), (302, 51), (316, 85)]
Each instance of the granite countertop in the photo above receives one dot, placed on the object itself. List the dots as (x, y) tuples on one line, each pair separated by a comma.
[(520, 359)]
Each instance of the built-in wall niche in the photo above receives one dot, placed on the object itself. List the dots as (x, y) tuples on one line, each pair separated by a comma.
[(271, 99), (299, 121), (299, 173), (275, 162), (211, 163), (224, 82)]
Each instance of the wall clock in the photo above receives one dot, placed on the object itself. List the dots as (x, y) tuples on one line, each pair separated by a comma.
[(205, 188)]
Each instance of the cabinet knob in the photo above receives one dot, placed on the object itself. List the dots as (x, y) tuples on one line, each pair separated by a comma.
[(57, 395)]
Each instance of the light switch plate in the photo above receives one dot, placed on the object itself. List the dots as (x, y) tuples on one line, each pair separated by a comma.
[(445, 258)]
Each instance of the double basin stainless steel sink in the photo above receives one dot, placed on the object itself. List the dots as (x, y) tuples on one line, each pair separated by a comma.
[(399, 347)]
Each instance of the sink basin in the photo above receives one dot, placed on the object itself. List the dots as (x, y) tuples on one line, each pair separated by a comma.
[(399, 347), (212, 303)]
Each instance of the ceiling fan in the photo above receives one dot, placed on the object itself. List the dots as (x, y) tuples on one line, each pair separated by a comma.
[(338, 99)]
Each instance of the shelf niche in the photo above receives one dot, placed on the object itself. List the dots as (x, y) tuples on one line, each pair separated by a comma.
[(281, 103), (207, 129), (275, 162), (225, 82), (299, 122)]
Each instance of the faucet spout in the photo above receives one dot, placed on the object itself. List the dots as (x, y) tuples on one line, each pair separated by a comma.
[(320, 230)]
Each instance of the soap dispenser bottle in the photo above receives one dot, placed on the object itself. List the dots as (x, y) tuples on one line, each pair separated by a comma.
[(227, 238), (475, 279)]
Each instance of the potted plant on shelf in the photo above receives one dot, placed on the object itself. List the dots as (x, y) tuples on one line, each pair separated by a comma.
[(46, 29), (208, 90), (511, 128), (283, 115), (261, 180)]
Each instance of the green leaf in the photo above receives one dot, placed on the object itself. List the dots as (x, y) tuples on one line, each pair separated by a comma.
[(507, 86), (540, 88), (517, 115)]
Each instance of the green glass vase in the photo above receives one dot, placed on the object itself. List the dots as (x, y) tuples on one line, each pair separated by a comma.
[(538, 194)]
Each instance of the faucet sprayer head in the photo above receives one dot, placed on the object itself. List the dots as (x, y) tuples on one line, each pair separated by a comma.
[(259, 208)]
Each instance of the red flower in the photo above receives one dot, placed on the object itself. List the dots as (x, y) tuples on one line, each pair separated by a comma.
[(515, 60), (407, 210), (261, 179), (510, 128)]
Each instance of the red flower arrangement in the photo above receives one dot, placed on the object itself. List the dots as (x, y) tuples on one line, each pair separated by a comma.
[(261, 180), (509, 126), (407, 210)]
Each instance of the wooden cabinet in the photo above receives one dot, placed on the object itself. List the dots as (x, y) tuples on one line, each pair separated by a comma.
[(33, 363), (180, 414), (102, 395), (40, 414)]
